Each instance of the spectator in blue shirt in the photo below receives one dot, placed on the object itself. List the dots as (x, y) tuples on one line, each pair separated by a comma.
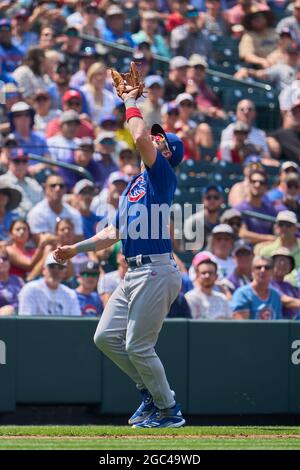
[(11, 55), (258, 300), (21, 117), (114, 31), (89, 300), (10, 198), (84, 191)]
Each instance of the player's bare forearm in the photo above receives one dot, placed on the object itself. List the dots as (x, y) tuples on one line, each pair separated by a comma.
[(107, 237)]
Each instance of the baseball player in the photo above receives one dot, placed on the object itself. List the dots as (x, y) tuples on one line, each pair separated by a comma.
[(132, 319)]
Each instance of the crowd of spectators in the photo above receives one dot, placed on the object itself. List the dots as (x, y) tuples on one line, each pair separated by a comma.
[(58, 104)]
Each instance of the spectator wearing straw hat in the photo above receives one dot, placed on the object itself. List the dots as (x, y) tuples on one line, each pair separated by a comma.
[(10, 198)]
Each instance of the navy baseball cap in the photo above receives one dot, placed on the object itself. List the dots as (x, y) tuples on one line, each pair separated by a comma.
[(18, 154), (217, 187), (5, 25), (174, 142)]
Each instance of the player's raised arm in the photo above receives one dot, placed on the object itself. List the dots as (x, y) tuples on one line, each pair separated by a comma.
[(104, 239), (129, 87)]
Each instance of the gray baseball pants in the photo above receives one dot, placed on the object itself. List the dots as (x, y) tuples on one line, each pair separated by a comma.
[(132, 319)]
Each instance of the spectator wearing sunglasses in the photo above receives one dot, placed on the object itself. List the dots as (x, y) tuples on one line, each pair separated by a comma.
[(16, 176), (43, 217), (258, 300), (87, 295), (283, 264), (241, 276), (212, 200), (232, 217), (286, 236), (48, 296), (286, 169), (246, 113), (10, 286), (291, 197), (254, 229)]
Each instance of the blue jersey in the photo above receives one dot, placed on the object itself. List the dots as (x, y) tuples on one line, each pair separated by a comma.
[(141, 229)]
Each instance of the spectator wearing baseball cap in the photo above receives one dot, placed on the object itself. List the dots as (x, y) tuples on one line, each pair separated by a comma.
[(238, 148), (88, 298), (151, 106), (149, 32), (62, 145), (291, 197), (84, 191), (11, 55), (114, 30), (21, 117), (286, 237), (88, 56), (47, 295), (220, 245), (286, 37), (177, 77), (213, 199), (204, 301), (207, 101), (284, 264), (187, 129), (72, 100), (17, 177), (232, 217), (82, 156), (169, 116), (243, 255), (106, 202), (190, 38), (291, 22), (286, 168)]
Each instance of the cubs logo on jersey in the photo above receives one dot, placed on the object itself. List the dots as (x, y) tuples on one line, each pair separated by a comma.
[(137, 190)]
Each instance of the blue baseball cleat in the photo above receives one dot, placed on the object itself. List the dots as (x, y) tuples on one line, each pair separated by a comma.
[(168, 418), (145, 410)]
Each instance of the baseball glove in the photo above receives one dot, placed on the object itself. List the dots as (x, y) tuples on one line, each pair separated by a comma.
[(132, 79)]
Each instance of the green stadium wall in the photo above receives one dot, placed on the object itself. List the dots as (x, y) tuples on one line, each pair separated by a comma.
[(216, 368)]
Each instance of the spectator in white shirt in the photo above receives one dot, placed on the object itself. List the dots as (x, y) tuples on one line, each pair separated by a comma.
[(45, 215), (47, 296), (62, 146), (245, 112), (205, 303), (221, 244)]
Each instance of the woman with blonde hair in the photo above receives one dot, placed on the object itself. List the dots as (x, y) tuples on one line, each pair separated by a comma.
[(100, 101)]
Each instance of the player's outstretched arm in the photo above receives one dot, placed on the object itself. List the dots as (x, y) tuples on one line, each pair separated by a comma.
[(104, 239)]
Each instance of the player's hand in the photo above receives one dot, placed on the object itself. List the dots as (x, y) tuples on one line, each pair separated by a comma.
[(130, 92), (63, 253)]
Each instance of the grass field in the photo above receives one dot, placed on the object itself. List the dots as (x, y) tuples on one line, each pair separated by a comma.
[(121, 438)]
